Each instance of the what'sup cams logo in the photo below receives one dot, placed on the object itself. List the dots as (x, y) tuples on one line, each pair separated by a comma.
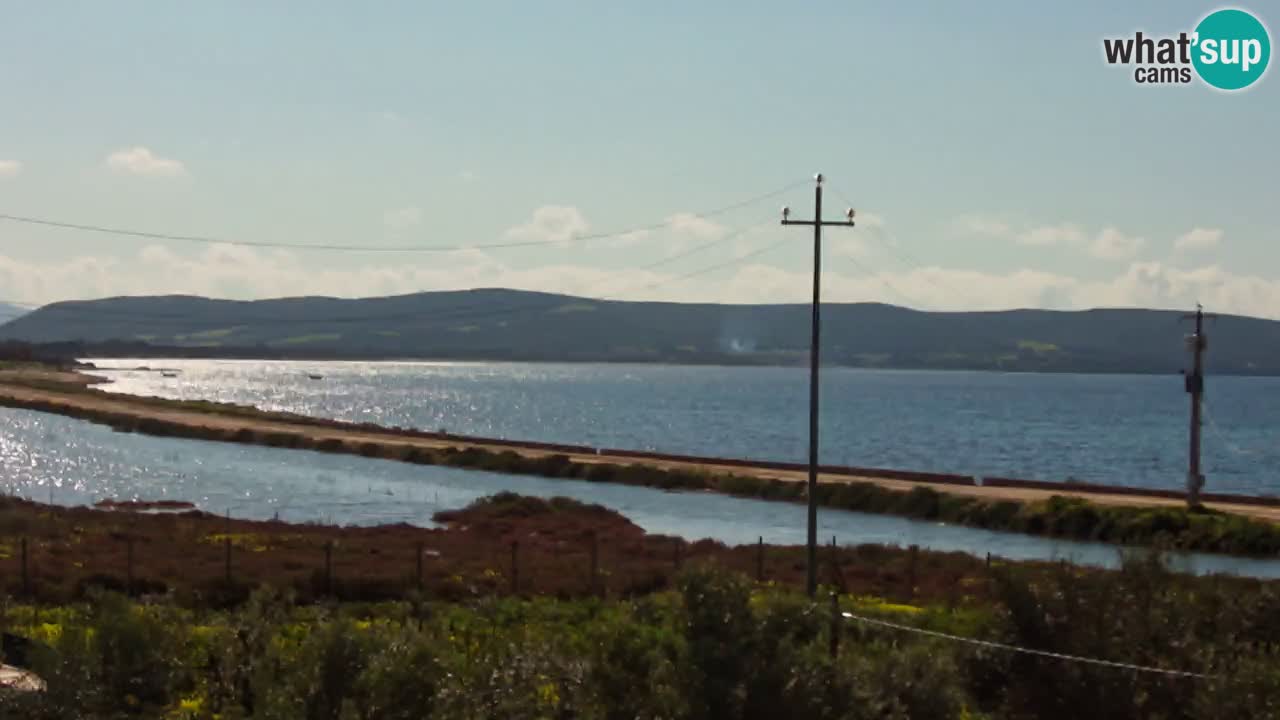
[(1229, 49)]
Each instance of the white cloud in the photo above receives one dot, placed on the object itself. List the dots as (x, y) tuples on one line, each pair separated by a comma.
[(9, 168), (870, 221), (1048, 235), (141, 161), (239, 272), (552, 223), (1108, 244), (697, 227), (1144, 284), (630, 239), (984, 225), (402, 219), (1111, 244), (857, 244), (1198, 239), (848, 244)]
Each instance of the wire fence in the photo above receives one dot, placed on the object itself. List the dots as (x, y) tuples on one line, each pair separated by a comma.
[(875, 622), (374, 568), (227, 557)]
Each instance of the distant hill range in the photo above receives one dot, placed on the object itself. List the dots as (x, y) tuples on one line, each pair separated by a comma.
[(9, 312), (516, 325)]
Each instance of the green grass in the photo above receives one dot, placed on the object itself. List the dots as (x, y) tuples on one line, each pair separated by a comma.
[(572, 308), (873, 358), (304, 339), (210, 334), (1037, 347)]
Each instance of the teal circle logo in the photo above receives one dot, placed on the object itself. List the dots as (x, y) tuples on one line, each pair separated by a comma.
[(1231, 49)]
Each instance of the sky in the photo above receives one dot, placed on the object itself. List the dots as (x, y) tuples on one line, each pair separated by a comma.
[(994, 159)]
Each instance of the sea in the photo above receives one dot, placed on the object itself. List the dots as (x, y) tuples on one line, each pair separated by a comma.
[(1127, 430), (1116, 429)]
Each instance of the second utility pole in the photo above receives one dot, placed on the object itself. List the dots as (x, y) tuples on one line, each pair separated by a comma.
[(811, 578), (1197, 343)]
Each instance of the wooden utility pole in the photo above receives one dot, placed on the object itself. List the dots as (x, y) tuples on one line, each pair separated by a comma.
[(814, 344), (1197, 343)]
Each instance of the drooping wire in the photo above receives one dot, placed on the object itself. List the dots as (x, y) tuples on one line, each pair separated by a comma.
[(1222, 438), (903, 255), (464, 312), (327, 247)]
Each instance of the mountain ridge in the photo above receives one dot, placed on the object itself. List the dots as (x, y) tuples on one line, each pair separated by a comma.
[(504, 324), (9, 311)]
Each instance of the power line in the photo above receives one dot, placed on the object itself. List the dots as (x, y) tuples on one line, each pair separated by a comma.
[(712, 268), (912, 261), (1217, 432), (905, 256), (1026, 651), (460, 312), (209, 240), (906, 299)]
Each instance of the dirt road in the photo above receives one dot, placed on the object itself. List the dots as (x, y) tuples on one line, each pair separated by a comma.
[(76, 401)]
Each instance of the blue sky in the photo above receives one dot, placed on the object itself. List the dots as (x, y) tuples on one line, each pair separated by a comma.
[(997, 160)]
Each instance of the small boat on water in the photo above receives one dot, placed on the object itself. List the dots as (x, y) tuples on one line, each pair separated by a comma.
[(315, 377), (166, 373)]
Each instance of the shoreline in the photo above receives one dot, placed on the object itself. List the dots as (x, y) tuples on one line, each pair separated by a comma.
[(802, 365), (1074, 488), (1074, 512)]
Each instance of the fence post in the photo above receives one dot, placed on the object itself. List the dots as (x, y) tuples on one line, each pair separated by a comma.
[(911, 571), (988, 561), (515, 567), (419, 565), (835, 626), (595, 563), (760, 559), (328, 567), (26, 576), (835, 562), (129, 565), (227, 543)]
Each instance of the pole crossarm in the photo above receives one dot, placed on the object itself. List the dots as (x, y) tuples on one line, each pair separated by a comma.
[(824, 223)]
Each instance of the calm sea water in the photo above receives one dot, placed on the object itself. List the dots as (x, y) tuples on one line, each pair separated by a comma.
[(51, 458), (1121, 429)]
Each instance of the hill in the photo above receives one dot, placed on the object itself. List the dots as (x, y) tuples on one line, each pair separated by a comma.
[(516, 325)]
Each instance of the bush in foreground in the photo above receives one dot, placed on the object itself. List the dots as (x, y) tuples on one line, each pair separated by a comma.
[(717, 648)]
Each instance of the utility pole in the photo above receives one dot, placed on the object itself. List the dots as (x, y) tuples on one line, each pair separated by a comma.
[(814, 344), (1197, 343)]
